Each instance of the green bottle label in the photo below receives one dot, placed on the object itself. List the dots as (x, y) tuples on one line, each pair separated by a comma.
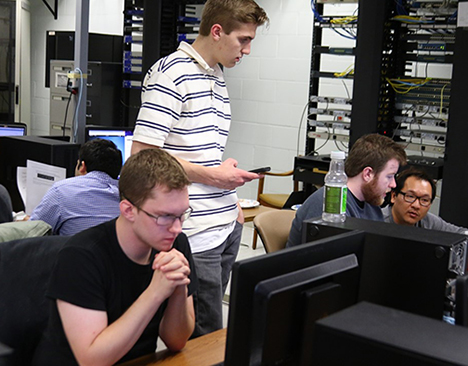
[(335, 200)]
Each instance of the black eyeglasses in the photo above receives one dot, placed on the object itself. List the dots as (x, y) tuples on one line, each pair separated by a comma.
[(166, 220), (410, 198)]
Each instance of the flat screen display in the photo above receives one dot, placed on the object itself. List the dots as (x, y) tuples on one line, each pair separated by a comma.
[(12, 130), (120, 136)]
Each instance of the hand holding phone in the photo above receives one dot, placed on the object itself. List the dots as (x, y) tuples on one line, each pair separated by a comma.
[(260, 170)]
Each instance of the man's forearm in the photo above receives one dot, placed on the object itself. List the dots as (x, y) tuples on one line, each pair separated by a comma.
[(198, 173), (224, 176), (112, 341), (178, 322)]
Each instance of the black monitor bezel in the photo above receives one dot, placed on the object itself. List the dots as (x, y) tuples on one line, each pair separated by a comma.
[(248, 273), (286, 308), (104, 128)]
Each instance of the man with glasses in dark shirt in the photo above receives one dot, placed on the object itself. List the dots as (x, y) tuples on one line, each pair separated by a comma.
[(411, 200), (117, 287)]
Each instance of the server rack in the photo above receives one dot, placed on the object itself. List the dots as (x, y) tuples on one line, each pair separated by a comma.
[(409, 84), (330, 115), (7, 60), (152, 29)]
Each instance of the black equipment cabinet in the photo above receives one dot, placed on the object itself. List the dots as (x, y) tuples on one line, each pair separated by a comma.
[(16, 150), (151, 31), (454, 192), (409, 83), (8, 96), (60, 45)]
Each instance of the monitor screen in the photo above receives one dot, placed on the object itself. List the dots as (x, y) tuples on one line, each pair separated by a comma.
[(13, 130), (242, 347), (120, 136), (286, 308)]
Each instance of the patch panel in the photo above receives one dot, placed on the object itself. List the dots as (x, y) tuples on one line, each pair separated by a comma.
[(132, 84), (335, 50), (421, 108), (344, 125), (427, 135), (432, 46), (434, 122), (328, 136), (423, 148), (132, 54), (333, 100), (330, 112)]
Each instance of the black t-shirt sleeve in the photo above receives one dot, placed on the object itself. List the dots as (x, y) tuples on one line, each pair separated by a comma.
[(77, 280), (183, 246)]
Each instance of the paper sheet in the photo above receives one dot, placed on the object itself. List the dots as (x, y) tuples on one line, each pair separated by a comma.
[(21, 174), (40, 177)]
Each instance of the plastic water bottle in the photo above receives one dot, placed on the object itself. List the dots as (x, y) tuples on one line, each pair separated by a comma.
[(336, 190)]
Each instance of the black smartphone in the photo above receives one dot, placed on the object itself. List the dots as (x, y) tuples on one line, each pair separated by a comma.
[(260, 170)]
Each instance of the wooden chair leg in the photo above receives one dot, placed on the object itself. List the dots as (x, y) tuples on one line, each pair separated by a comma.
[(254, 241)]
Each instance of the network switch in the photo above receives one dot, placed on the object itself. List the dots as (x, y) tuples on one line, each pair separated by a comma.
[(330, 112), (420, 134), (344, 125), (426, 121), (421, 108), (328, 136), (333, 100)]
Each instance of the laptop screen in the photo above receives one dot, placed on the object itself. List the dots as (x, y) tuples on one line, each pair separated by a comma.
[(12, 130)]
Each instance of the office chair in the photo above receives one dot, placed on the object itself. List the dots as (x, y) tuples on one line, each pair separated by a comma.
[(273, 228), (25, 266), (273, 200), (6, 208)]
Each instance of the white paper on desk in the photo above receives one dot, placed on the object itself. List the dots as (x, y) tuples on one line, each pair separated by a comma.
[(21, 174), (40, 177)]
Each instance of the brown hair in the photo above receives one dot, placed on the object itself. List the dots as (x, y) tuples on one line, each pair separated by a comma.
[(147, 169), (229, 14), (373, 151)]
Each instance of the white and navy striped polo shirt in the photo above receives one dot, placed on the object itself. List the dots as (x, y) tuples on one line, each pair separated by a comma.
[(185, 110)]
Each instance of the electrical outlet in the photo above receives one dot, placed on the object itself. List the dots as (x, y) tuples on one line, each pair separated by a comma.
[(72, 83)]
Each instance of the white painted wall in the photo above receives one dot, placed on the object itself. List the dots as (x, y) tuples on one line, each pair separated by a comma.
[(269, 91), (106, 16)]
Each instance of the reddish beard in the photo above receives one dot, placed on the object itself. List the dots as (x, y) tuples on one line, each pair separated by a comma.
[(371, 193)]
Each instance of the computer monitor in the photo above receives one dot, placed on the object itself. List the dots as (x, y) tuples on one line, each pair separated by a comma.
[(416, 266), (407, 269), (286, 308), (120, 136), (326, 287), (15, 129)]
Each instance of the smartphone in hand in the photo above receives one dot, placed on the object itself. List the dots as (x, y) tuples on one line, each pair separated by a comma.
[(260, 170)]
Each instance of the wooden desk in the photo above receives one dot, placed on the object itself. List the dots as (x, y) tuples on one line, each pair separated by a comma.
[(250, 213), (202, 351)]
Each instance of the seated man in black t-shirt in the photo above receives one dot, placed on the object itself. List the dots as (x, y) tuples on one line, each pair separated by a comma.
[(118, 286)]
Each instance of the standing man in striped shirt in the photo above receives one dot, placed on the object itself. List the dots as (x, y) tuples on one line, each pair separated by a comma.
[(185, 110)]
